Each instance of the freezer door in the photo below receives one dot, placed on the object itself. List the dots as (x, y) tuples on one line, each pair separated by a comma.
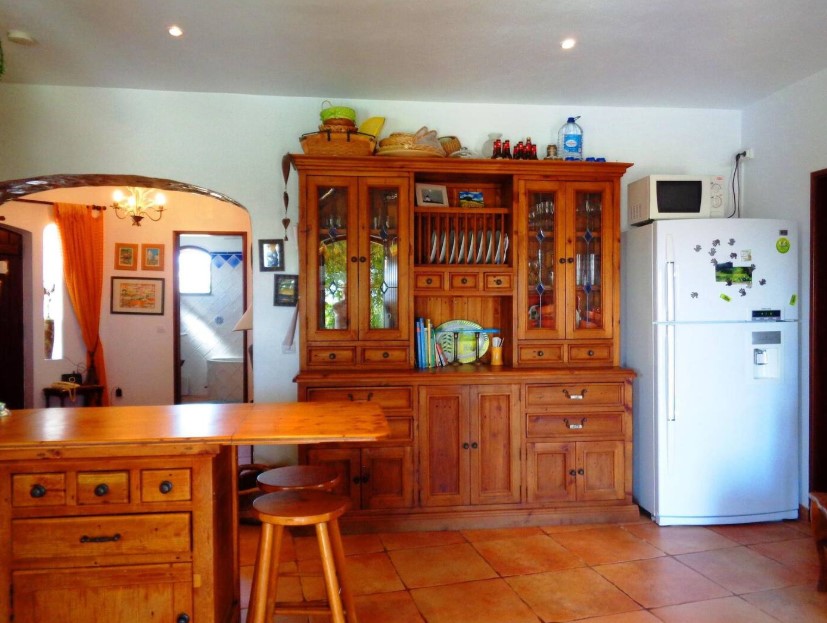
[(723, 269), (727, 438)]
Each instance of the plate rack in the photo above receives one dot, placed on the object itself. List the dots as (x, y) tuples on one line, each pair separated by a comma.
[(450, 237)]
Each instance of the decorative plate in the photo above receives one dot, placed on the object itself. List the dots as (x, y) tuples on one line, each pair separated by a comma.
[(466, 352)]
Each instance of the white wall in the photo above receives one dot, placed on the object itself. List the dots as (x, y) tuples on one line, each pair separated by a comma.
[(788, 132), (234, 143)]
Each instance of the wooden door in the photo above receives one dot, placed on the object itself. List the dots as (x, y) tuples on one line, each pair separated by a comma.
[(129, 593), (495, 444), (818, 332), (11, 319), (600, 468), (387, 474), (444, 446), (347, 462), (551, 472)]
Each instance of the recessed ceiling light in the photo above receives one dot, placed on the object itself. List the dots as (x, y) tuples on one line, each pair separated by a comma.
[(175, 31), (21, 37), (568, 44)]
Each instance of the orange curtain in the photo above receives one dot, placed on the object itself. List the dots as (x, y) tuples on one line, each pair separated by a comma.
[(82, 241)]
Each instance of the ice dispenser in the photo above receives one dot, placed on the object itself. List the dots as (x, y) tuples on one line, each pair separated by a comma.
[(766, 354)]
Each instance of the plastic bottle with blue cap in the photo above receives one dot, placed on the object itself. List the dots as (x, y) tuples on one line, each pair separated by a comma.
[(570, 140)]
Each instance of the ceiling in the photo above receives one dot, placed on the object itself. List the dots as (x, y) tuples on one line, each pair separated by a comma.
[(673, 53)]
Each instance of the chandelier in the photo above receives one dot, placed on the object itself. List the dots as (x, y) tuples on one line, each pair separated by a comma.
[(139, 203)]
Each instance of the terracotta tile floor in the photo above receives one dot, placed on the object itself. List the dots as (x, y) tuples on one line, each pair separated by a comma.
[(630, 573)]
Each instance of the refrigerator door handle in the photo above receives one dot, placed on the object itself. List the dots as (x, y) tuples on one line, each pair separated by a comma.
[(670, 291), (670, 373)]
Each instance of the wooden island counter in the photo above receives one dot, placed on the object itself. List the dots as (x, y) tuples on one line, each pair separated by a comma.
[(130, 513)]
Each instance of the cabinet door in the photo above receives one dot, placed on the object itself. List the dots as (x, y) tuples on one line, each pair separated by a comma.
[(387, 474), (332, 255), (600, 470), (116, 594), (590, 276), (542, 261), (551, 472), (383, 258), (346, 461), (495, 445), (444, 446)]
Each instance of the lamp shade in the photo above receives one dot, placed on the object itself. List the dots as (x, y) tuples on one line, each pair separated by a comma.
[(245, 323)]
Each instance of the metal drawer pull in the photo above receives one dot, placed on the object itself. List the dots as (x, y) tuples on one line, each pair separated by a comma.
[(37, 491), (352, 399), (100, 539), (165, 487), (579, 396), (102, 489), (574, 426)]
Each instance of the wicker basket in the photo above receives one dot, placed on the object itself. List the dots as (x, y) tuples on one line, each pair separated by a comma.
[(329, 143)]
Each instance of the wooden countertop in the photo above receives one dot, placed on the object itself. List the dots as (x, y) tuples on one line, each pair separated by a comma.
[(243, 423)]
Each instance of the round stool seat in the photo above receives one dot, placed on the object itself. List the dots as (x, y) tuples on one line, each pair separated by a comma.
[(294, 477), (302, 507)]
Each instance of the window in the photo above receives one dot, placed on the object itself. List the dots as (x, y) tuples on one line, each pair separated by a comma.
[(194, 271), (52, 292)]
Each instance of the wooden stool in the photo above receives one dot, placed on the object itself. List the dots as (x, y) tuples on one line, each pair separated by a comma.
[(818, 521), (300, 508), (295, 477)]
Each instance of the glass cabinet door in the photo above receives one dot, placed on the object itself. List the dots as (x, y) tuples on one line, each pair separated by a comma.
[(544, 310), (382, 253), (591, 242), (333, 260)]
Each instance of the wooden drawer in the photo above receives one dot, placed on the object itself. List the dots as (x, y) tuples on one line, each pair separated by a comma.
[(166, 485), (103, 487), (538, 425), (428, 281), (330, 356), (71, 537), (48, 489), (590, 353), (464, 281), (541, 353), (579, 395), (495, 282), (387, 397), (394, 355), (401, 428)]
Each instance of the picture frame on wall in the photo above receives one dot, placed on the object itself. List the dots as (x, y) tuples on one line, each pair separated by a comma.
[(431, 195), (133, 295), (152, 257), (286, 290), (126, 256), (271, 254)]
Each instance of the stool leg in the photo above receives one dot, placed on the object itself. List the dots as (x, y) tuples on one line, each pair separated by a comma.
[(264, 575), (330, 580), (272, 586), (341, 566)]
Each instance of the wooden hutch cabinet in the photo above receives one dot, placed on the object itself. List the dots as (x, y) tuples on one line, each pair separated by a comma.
[(527, 251)]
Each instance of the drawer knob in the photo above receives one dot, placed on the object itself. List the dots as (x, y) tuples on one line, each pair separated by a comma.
[(385, 355), (183, 618), (475, 445), (464, 280), (572, 472), (165, 487), (571, 396), (466, 445), (574, 426), (332, 356), (102, 489), (580, 472), (363, 259), (101, 539), (591, 353), (498, 282), (37, 491), (429, 281), (540, 353)]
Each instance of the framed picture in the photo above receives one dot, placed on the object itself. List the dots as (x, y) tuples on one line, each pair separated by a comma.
[(126, 256), (431, 195), (471, 199), (287, 290), (271, 254), (137, 296), (152, 257)]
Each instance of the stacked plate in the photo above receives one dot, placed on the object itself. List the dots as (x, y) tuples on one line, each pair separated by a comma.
[(480, 247)]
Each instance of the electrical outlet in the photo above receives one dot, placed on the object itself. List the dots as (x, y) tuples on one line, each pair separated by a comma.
[(749, 153), (118, 392)]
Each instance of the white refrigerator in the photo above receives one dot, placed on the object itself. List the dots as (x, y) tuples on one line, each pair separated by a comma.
[(710, 325)]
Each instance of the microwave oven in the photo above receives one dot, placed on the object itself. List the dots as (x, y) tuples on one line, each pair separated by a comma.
[(656, 197)]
